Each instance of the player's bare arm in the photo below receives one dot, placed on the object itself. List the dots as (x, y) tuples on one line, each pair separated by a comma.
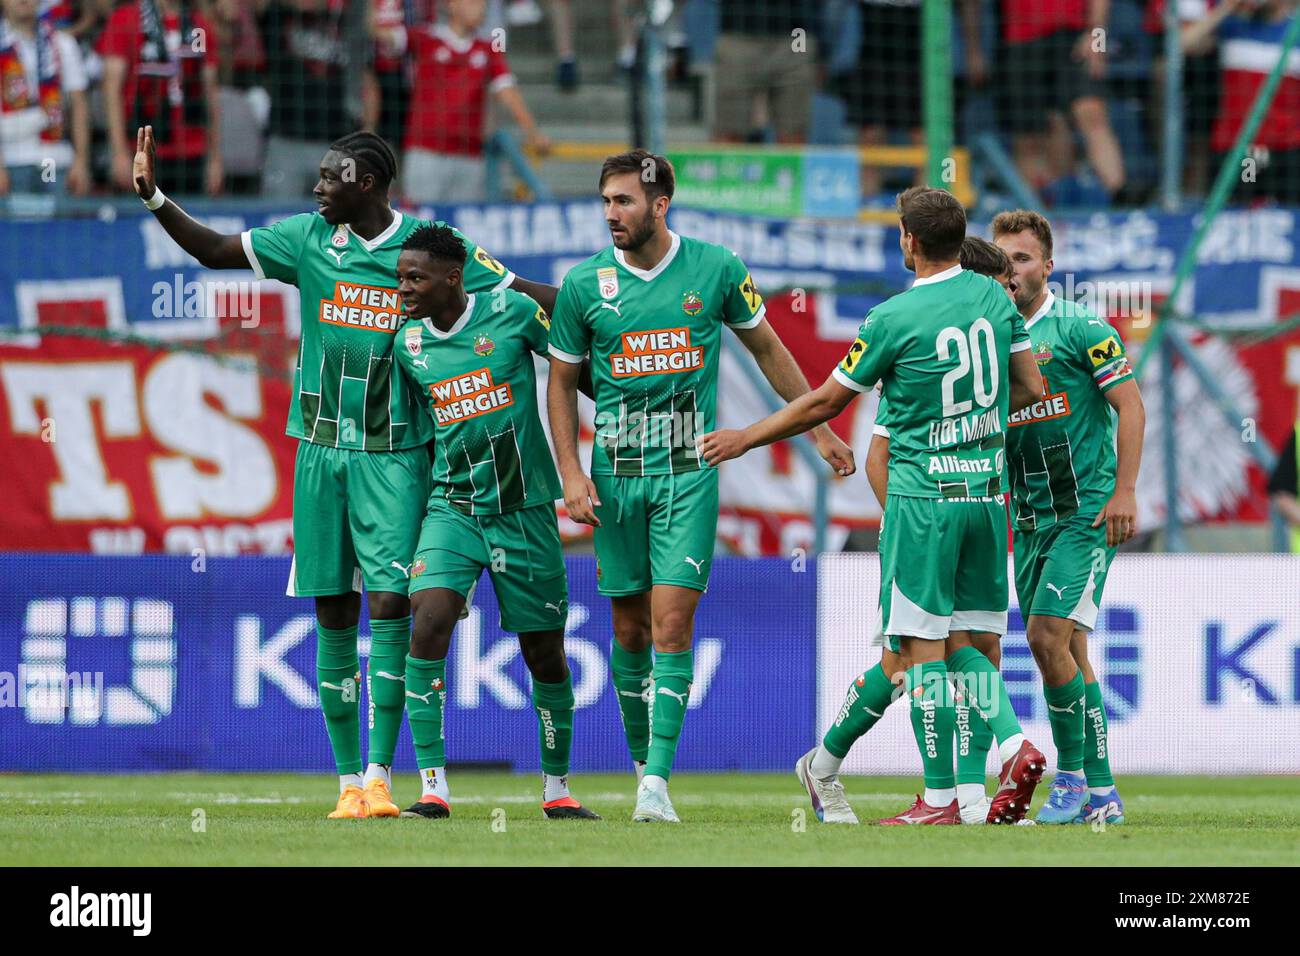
[(544, 295), (580, 497), (541, 293), (1026, 382), (213, 249), (787, 379), (1289, 505), (1120, 513), (803, 414), (877, 467)]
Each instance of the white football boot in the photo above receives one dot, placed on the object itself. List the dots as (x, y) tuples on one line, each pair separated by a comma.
[(826, 793), (653, 806)]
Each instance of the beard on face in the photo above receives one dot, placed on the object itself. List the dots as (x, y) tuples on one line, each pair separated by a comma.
[(638, 233)]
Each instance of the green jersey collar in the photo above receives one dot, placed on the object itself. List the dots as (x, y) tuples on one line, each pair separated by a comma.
[(1043, 310), (943, 276), (459, 324), (660, 266), (370, 245)]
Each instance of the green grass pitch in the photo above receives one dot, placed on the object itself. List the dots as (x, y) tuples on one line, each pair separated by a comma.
[(748, 819)]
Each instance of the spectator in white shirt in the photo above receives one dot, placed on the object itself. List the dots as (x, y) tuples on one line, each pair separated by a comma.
[(42, 97)]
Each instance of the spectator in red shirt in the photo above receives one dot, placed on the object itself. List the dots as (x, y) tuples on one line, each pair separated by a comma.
[(1249, 37), (160, 70), (454, 72), (1053, 72)]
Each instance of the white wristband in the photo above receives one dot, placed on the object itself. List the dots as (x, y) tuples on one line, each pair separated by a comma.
[(155, 201)]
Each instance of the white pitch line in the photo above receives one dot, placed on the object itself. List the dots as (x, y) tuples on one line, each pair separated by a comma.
[(689, 799)]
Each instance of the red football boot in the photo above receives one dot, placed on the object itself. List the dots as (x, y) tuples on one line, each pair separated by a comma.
[(922, 812), (1016, 783)]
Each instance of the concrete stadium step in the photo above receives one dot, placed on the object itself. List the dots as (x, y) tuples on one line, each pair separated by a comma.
[(593, 32), (568, 178), (595, 100)]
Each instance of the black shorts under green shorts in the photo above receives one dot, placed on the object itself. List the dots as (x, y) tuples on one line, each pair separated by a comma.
[(655, 529), (520, 549), (1061, 569), (943, 567), (356, 517)]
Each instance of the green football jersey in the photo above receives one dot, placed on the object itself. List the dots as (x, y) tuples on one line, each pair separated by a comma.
[(654, 338), (479, 388), (347, 393), (943, 350), (1061, 451)]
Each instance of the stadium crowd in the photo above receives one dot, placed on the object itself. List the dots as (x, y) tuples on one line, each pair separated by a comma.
[(244, 95)]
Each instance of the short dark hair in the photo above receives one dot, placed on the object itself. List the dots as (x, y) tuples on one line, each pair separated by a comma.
[(656, 172), (936, 218), (439, 242), (980, 255), (1018, 220), (372, 154)]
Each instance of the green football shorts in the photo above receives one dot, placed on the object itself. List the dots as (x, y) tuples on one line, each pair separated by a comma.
[(520, 549), (356, 517), (1061, 570), (655, 529), (943, 567)]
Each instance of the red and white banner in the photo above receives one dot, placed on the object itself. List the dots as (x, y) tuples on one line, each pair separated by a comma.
[(128, 448), (125, 449)]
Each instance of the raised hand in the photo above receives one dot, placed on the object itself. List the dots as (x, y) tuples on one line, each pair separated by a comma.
[(142, 167)]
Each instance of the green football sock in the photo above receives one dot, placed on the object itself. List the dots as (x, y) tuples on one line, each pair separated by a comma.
[(974, 741), (338, 679), (669, 694), (932, 721), (1065, 713), (631, 676), (554, 706), (983, 686), (426, 694), (1096, 745), (863, 705), (386, 685)]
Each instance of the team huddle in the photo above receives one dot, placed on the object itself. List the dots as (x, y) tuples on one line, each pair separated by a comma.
[(423, 461)]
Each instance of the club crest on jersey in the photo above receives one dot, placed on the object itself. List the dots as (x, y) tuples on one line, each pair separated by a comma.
[(608, 279), (692, 303), (1043, 353), (483, 346), (413, 339), (340, 237)]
